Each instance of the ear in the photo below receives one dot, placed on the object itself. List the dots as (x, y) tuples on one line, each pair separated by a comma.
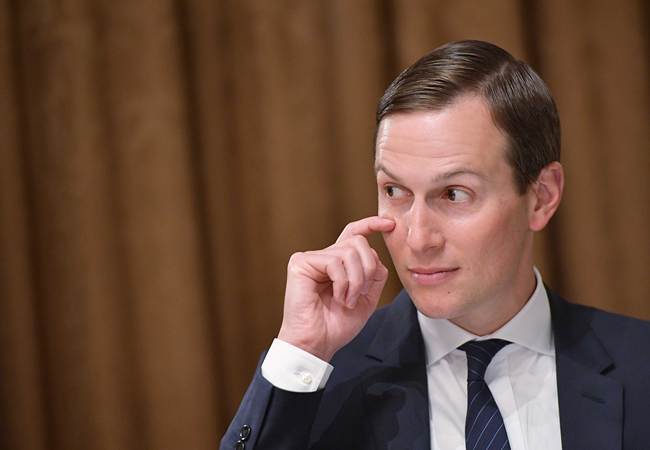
[(545, 195)]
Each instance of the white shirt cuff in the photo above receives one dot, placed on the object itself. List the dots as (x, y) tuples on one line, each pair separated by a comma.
[(292, 369)]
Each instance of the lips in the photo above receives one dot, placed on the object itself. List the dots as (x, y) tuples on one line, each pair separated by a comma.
[(432, 270), (432, 275)]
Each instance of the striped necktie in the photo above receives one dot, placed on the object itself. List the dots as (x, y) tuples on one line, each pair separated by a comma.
[(484, 428)]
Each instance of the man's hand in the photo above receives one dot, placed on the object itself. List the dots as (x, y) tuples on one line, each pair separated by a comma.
[(331, 293)]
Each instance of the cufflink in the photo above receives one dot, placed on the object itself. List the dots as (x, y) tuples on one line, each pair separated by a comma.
[(306, 378)]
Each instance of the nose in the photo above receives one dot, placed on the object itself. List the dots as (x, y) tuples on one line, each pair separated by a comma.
[(424, 233)]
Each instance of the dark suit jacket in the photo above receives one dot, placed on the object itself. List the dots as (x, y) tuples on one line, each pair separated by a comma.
[(376, 397)]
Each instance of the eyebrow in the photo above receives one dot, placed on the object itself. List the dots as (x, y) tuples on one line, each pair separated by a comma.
[(437, 178), (381, 168)]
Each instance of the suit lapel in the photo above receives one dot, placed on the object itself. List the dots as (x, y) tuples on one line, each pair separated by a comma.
[(395, 394), (591, 404)]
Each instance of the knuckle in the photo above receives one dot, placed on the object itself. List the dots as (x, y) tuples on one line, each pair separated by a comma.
[(349, 252), (295, 261), (355, 281), (336, 262), (296, 258), (353, 289), (359, 240), (342, 286)]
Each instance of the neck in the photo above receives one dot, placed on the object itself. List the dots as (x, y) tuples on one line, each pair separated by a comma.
[(496, 314)]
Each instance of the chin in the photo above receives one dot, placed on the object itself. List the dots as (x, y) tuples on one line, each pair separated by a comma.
[(434, 304)]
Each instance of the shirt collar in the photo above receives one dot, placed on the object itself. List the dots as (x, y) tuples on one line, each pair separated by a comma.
[(530, 328)]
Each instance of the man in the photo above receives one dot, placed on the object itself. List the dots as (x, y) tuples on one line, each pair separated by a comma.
[(476, 352)]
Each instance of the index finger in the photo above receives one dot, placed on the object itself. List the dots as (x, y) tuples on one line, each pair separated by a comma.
[(367, 226)]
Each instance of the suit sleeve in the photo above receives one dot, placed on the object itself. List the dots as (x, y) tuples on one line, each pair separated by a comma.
[(270, 418)]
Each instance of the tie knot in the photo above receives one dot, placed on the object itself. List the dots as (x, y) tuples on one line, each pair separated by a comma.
[(479, 355)]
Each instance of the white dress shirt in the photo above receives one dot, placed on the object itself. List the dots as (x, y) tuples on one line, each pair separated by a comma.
[(521, 377)]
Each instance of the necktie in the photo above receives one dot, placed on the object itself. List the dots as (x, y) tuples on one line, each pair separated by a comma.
[(484, 428)]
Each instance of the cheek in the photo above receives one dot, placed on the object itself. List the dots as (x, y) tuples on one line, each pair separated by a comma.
[(395, 240), (383, 208), (396, 237), (498, 232)]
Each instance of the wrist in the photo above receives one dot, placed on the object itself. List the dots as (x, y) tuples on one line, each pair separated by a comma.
[(308, 345)]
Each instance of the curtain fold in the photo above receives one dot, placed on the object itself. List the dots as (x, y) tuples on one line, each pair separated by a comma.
[(161, 160)]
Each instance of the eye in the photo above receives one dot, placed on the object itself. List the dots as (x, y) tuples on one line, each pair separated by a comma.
[(394, 192), (456, 195)]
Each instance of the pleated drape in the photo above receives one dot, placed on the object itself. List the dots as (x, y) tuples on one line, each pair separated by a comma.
[(160, 160)]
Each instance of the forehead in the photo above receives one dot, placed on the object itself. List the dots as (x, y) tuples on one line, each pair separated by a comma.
[(460, 134)]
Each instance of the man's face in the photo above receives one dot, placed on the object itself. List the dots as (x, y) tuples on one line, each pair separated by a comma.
[(461, 246)]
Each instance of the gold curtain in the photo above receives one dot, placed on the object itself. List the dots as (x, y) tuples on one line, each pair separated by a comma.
[(160, 161)]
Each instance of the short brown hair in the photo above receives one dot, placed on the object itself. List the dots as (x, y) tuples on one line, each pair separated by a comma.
[(520, 103)]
